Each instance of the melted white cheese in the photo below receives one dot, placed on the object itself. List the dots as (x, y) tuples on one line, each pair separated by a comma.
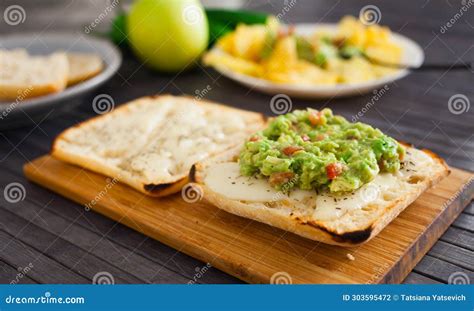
[(329, 206), (121, 134), (188, 136), (416, 162), (225, 179), (157, 140)]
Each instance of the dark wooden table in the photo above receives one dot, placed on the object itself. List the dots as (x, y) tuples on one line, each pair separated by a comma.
[(63, 243)]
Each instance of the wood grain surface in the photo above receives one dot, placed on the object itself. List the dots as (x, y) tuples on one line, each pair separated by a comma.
[(255, 252)]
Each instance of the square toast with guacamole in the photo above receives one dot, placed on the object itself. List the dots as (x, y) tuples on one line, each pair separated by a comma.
[(151, 143), (317, 175)]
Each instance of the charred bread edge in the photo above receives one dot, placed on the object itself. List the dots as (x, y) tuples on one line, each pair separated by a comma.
[(317, 231)]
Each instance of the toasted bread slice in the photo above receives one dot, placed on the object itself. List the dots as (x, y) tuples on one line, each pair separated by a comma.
[(346, 220), (152, 142), (83, 66), (24, 76)]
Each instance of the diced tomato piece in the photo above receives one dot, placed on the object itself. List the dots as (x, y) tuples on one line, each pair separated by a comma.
[(334, 169), (254, 138), (320, 137), (291, 149), (381, 164), (290, 30), (315, 118), (339, 42), (277, 179), (401, 155)]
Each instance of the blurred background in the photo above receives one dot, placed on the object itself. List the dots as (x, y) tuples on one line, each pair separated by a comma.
[(423, 95)]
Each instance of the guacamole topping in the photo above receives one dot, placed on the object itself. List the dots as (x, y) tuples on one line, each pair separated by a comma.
[(311, 149)]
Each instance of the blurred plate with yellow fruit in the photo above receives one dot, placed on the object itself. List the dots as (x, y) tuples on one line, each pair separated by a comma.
[(314, 60)]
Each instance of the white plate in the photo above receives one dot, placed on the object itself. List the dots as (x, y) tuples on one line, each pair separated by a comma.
[(412, 55), (14, 114)]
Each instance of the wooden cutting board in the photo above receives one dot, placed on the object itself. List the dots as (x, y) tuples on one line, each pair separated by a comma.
[(255, 252)]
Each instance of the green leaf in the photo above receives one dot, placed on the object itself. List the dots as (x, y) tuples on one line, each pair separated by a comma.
[(304, 49), (325, 52), (118, 31), (272, 26), (234, 17), (349, 51), (217, 29)]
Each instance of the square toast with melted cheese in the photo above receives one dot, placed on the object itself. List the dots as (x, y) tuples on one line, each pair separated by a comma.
[(26, 76), (151, 143)]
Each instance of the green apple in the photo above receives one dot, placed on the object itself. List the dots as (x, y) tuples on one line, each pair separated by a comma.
[(167, 35)]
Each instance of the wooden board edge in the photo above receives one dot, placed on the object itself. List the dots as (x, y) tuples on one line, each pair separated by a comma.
[(227, 266), (402, 267), (452, 209)]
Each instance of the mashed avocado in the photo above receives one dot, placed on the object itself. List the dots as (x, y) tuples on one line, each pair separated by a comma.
[(312, 149)]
